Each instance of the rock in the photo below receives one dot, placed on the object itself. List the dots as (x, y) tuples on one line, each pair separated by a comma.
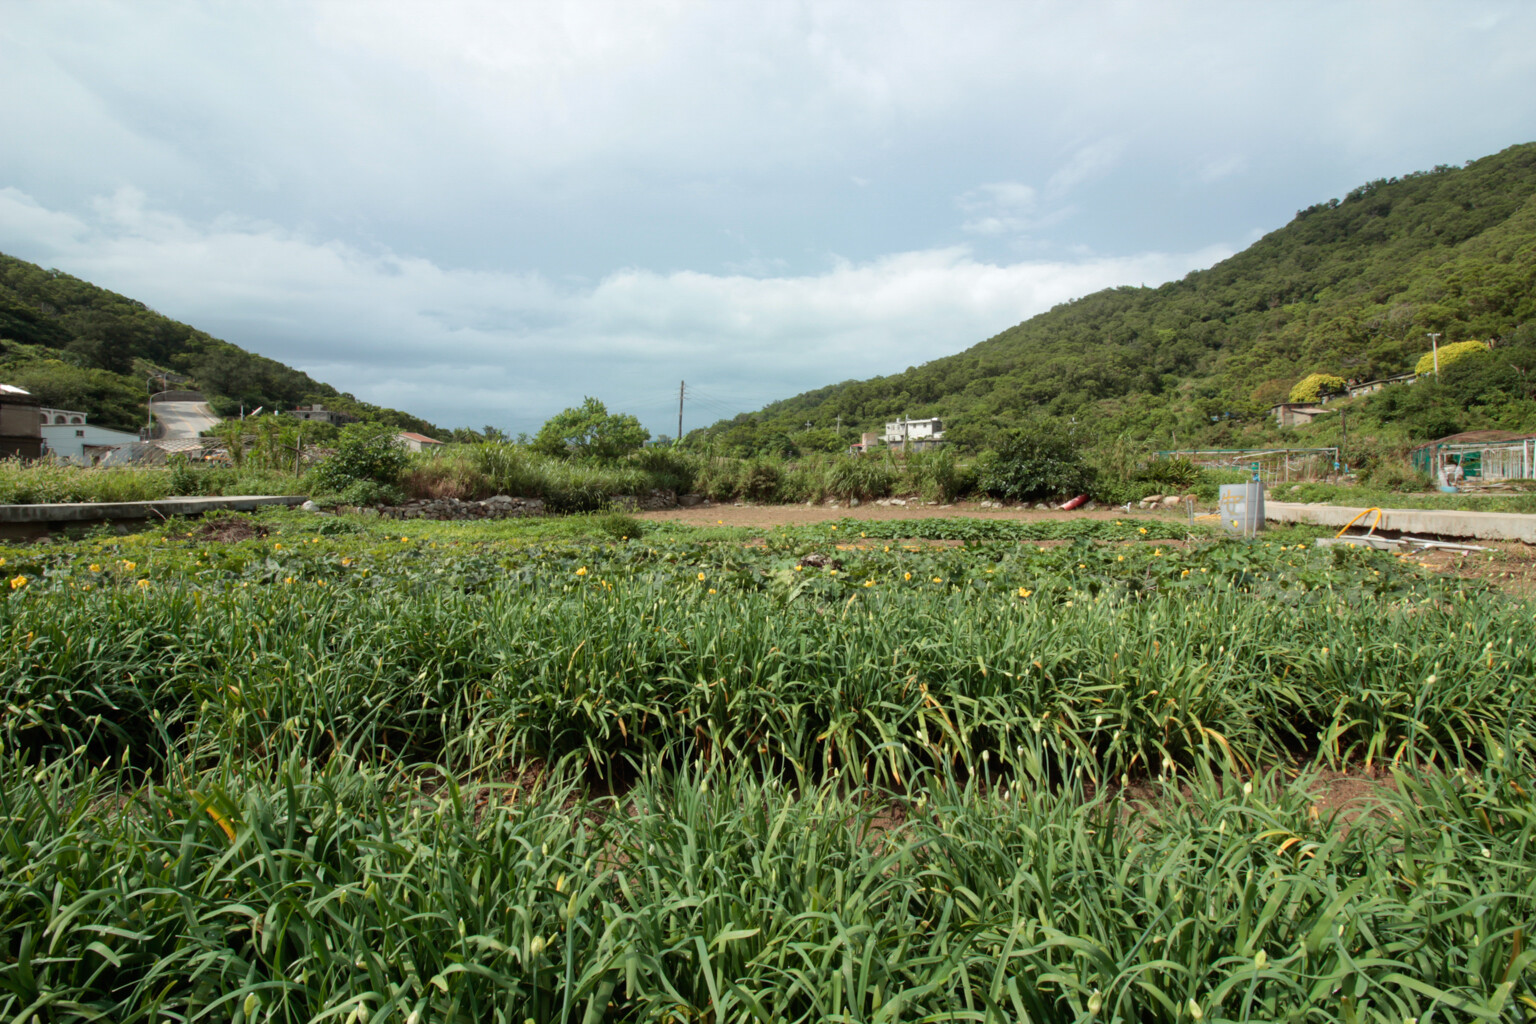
[(853, 502), (899, 502), (691, 500), (1171, 501), (1088, 506), (1152, 499), (310, 506)]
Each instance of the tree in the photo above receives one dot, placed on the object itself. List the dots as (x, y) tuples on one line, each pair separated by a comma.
[(1034, 462), (1449, 354), (590, 431), (1315, 385), (366, 453)]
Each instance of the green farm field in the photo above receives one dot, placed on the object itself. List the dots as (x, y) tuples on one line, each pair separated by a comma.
[(296, 768)]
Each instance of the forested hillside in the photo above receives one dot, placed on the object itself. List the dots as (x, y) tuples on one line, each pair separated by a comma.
[(1350, 287), (78, 346)]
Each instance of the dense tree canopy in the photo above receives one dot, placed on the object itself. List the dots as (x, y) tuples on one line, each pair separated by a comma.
[(1351, 284), (590, 431)]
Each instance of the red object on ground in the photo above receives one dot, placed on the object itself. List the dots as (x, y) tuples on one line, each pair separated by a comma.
[(1069, 506)]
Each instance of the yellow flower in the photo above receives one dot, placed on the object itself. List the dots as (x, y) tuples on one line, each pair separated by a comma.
[(129, 566), (1184, 574), (1081, 565), (701, 577), (143, 584), (938, 579), (1025, 592), (2, 561), (1120, 558), (346, 561), (799, 568), (719, 522), (287, 579), (1141, 529), (277, 547), (405, 540), (832, 572), (906, 575), (1158, 553), (322, 583), (711, 590), (582, 571), (17, 582), (869, 583), (93, 566)]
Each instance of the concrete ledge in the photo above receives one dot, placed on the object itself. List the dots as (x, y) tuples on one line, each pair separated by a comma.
[(1426, 521), (98, 511)]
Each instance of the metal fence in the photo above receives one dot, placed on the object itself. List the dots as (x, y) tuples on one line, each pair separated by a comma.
[(1275, 465), (1485, 461)]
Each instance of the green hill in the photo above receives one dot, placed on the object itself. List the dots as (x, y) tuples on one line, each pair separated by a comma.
[(1349, 287), (77, 346)]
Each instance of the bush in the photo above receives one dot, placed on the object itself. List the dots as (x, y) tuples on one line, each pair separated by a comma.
[(1032, 464), (1456, 350), (760, 480), (369, 492), (366, 452), (618, 525), (1315, 385)]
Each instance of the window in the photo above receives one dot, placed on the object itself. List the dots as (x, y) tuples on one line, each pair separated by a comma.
[(59, 418), (79, 433), (76, 419)]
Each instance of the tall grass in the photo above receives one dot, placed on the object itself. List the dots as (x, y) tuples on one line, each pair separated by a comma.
[(46, 482)]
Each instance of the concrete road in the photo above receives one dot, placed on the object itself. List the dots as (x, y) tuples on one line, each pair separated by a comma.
[(185, 419), (1432, 522)]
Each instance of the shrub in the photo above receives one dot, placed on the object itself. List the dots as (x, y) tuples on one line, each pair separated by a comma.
[(1448, 354), (1035, 463), (618, 525), (760, 480), (1315, 385), (366, 452)]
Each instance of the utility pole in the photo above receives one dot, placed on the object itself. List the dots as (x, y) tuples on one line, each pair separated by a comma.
[(1433, 339), (681, 386)]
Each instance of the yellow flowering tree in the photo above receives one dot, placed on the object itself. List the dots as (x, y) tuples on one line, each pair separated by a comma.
[(1315, 385), (1449, 354)]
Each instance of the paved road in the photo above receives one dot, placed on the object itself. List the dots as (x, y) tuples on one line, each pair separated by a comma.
[(185, 419)]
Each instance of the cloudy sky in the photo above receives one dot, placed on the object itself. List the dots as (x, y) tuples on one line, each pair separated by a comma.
[(482, 211)]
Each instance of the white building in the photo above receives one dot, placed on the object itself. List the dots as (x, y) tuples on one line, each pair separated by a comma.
[(920, 433), (67, 436), (61, 417)]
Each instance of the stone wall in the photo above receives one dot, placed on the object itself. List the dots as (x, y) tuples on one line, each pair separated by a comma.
[(499, 507)]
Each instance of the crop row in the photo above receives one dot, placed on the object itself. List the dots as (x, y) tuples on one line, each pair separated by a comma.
[(1235, 658), (348, 894)]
